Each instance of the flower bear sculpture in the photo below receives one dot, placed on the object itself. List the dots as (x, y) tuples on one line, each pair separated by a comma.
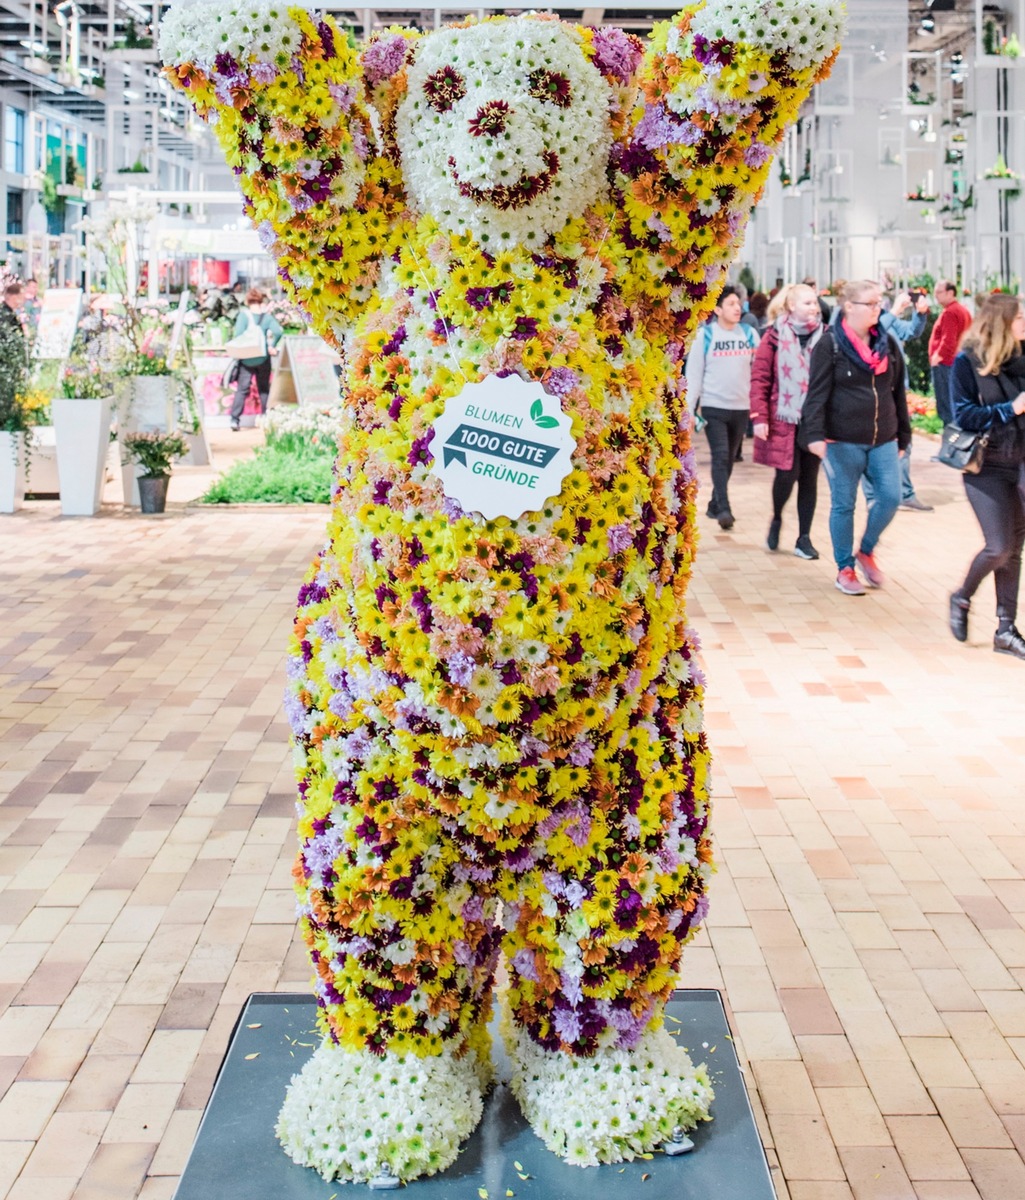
[(498, 718)]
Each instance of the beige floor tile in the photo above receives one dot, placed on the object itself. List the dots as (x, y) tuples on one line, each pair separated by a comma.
[(926, 1149)]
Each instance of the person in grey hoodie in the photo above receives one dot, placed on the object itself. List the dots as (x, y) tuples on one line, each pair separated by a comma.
[(719, 381)]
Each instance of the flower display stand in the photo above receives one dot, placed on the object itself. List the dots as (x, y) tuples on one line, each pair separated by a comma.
[(12, 472), (83, 442), (145, 405), (236, 1154)]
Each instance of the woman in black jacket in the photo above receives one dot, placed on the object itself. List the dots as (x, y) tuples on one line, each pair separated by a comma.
[(986, 387), (855, 418)]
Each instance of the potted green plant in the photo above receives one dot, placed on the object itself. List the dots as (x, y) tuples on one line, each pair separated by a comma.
[(16, 418), (81, 419), (155, 453)]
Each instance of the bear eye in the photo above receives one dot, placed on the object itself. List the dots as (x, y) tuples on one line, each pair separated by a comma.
[(444, 88), (552, 86)]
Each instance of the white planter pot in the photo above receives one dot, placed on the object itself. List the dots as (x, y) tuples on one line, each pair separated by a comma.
[(12, 472), (83, 440), (41, 477)]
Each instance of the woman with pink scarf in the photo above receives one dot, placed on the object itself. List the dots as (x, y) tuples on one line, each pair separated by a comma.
[(779, 386), (856, 420)]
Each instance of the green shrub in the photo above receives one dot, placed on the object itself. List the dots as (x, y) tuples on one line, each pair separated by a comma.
[(926, 423), (298, 474)]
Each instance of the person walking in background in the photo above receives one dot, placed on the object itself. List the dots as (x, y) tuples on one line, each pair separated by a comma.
[(951, 326), (257, 367), (905, 323), (719, 380), (779, 386), (758, 307), (32, 307), (855, 418), (824, 309), (986, 390)]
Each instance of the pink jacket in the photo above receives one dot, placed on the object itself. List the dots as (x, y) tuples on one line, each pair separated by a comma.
[(778, 450)]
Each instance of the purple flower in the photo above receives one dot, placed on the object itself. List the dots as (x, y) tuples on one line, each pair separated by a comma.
[(620, 537), (616, 54), (658, 128), (523, 964), (343, 93), (264, 72), (460, 668), (265, 232), (561, 381), (359, 142), (567, 1024), (757, 154), (383, 58)]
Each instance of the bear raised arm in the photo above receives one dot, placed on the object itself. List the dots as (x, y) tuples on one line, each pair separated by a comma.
[(285, 93)]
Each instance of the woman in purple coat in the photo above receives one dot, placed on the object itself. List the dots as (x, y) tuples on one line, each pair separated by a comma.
[(779, 384)]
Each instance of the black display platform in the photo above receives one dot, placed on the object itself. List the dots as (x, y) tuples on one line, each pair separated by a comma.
[(237, 1157)]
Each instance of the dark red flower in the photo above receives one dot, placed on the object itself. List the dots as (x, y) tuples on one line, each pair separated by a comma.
[(491, 119), (444, 88), (551, 85)]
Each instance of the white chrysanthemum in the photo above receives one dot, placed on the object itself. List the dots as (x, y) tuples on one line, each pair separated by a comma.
[(348, 1114), (806, 31), (260, 31), (504, 130), (611, 1107)]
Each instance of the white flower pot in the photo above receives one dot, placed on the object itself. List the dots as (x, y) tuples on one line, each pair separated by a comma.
[(12, 472), (41, 477), (83, 439)]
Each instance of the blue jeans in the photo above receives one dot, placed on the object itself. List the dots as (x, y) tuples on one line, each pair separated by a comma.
[(941, 390), (907, 488), (845, 464)]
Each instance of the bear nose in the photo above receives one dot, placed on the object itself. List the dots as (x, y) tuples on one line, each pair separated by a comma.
[(491, 119)]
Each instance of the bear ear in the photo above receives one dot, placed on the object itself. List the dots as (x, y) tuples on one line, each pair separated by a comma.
[(385, 61)]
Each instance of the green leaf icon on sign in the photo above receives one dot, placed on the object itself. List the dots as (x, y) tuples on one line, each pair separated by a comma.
[(546, 422), (536, 410)]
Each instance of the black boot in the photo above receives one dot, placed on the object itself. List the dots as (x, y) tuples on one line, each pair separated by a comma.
[(959, 617), (1009, 641)]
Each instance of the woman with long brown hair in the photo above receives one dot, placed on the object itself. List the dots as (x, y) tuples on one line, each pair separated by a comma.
[(986, 387)]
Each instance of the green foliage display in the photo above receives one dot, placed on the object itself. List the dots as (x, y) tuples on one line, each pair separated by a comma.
[(285, 472)]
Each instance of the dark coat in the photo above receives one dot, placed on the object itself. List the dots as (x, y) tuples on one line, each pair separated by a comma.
[(847, 402), (778, 449), (984, 403)]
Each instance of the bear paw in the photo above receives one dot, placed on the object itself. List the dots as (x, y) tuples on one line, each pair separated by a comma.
[(611, 1107), (358, 1117)]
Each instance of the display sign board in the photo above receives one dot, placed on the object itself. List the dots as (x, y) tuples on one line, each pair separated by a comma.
[(304, 373), (502, 447), (179, 326), (58, 322)]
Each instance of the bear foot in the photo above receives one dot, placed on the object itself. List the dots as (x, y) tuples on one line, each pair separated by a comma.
[(358, 1117), (614, 1106)]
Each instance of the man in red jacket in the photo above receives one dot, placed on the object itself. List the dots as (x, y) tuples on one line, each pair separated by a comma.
[(943, 343)]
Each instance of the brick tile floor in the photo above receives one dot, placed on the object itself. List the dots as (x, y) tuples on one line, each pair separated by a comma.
[(868, 917)]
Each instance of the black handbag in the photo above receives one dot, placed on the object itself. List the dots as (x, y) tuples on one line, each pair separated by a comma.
[(962, 449)]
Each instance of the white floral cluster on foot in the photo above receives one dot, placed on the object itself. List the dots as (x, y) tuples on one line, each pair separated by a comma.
[(352, 1116), (612, 1107)]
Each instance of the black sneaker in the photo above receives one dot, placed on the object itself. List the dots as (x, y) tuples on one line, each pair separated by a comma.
[(725, 520), (804, 548), (1009, 642), (235, 426), (959, 618), (711, 513), (772, 538)]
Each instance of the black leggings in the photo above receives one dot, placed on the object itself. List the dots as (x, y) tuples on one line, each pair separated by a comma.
[(996, 498), (805, 474)]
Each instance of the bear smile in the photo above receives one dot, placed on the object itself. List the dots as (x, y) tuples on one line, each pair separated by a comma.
[(510, 195)]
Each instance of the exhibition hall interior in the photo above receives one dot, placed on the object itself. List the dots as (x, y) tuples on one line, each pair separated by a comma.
[(511, 532)]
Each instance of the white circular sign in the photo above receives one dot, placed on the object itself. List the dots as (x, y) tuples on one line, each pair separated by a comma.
[(502, 447)]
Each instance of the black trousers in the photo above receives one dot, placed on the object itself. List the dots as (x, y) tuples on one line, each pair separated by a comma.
[(804, 474), (246, 375), (725, 430), (996, 498)]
